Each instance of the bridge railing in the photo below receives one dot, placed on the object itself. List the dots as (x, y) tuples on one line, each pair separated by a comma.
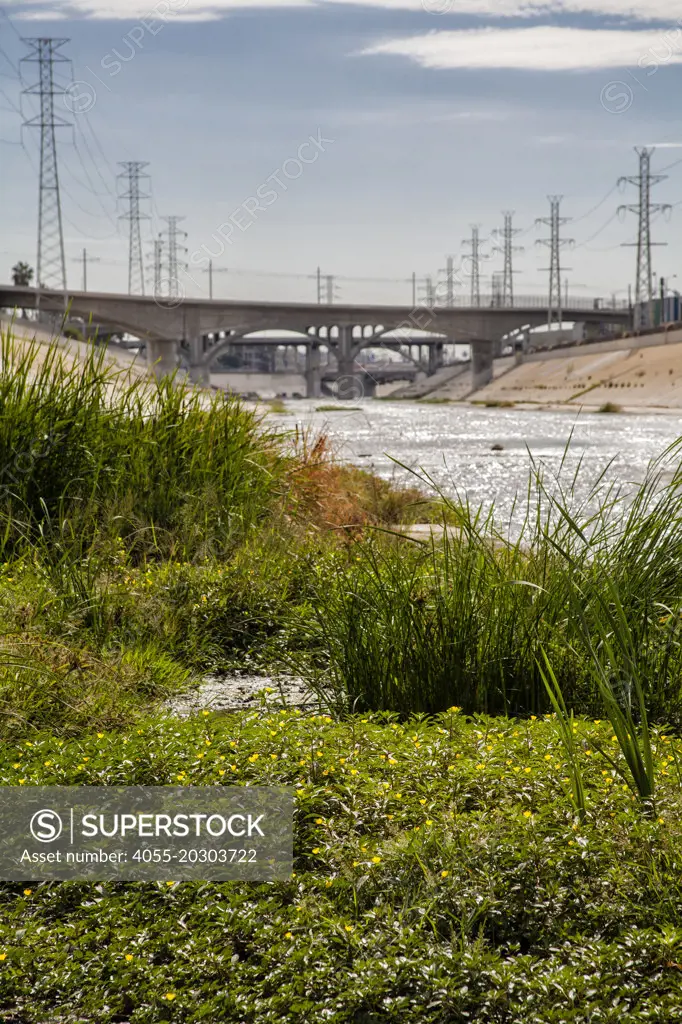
[(606, 303)]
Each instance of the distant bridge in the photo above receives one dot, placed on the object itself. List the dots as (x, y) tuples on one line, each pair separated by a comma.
[(166, 324)]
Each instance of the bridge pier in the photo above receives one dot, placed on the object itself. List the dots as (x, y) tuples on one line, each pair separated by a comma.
[(200, 374), (162, 357), (481, 364), (193, 335), (345, 356), (435, 358), (350, 385), (313, 371)]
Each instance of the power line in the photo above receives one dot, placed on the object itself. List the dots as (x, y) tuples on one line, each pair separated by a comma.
[(584, 216), (604, 226), (10, 23)]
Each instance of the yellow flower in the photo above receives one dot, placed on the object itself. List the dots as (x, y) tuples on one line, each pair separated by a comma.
[(28, 892), (288, 935), (422, 801), (548, 757), (3, 956), (100, 735), (318, 821), (129, 956), (169, 996), (349, 928), (170, 883), (206, 713), (376, 860), (533, 718), (316, 849), (444, 874), (526, 814)]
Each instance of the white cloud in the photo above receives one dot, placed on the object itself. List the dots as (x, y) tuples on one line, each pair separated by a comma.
[(542, 48), (638, 10)]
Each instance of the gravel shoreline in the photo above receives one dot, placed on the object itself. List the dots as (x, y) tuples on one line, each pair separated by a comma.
[(243, 693)]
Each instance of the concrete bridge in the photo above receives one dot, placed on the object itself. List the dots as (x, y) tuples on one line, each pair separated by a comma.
[(165, 325)]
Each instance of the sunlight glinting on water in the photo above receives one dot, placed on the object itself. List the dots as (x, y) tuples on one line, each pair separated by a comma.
[(459, 446)]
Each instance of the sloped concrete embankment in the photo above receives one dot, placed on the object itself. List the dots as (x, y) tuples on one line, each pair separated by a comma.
[(637, 374)]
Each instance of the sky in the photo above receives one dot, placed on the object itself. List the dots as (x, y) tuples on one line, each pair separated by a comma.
[(362, 138)]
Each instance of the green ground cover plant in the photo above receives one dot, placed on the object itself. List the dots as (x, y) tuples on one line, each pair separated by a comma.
[(441, 875)]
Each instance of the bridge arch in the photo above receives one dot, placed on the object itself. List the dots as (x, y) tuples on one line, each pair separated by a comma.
[(243, 337)]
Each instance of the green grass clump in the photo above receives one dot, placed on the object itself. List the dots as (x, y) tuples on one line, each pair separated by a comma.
[(90, 452), (440, 875), (610, 407), (464, 619)]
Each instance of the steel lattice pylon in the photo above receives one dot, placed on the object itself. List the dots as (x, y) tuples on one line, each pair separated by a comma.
[(507, 234), (133, 173), (475, 243), (644, 282), (51, 262), (175, 248), (556, 244)]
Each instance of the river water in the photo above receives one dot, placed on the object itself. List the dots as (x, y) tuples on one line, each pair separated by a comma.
[(453, 444)]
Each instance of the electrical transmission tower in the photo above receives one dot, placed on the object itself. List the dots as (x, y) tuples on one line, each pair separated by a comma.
[(132, 176), (449, 281), (158, 264), (644, 282), (556, 243), (51, 263), (429, 293), (507, 234), (174, 250), (326, 288), (475, 258)]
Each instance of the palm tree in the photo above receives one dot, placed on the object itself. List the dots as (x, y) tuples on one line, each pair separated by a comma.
[(22, 274)]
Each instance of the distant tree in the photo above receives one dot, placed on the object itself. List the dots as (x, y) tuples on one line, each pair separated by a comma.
[(22, 274)]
